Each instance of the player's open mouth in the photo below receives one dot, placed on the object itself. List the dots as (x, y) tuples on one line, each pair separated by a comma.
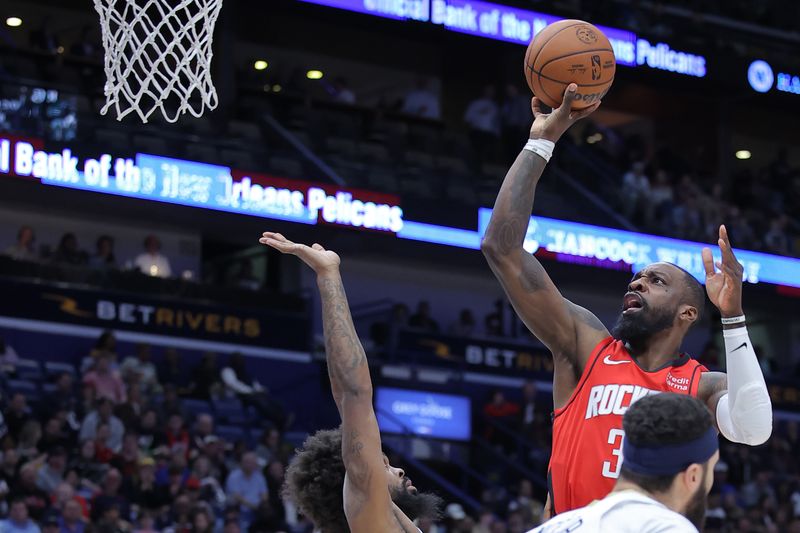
[(631, 302)]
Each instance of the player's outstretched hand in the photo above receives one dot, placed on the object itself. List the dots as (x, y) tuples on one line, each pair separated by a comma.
[(322, 261), (551, 126), (724, 288)]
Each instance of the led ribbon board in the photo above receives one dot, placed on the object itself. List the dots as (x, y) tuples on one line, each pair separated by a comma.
[(189, 183), (514, 25)]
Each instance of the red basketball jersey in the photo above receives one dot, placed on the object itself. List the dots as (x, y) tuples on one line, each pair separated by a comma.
[(587, 431)]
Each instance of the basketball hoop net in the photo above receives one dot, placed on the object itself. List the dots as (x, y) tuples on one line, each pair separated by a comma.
[(158, 56)]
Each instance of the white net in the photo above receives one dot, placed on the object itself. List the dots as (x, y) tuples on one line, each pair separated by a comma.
[(158, 56)]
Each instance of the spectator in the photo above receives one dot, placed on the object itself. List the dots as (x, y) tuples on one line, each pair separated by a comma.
[(201, 520), (170, 371), (246, 487), (71, 520), (205, 377), (203, 427), (50, 522), (503, 411), (64, 397), (152, 262), (340, 92), (90, 472), (149, 434), (483, 118), (493, 325), (635, 189), (103, 415), (110, 499), (103, 257), (245, 279), (271, 447), (422, 101), (105, 344), (105, 381), (422, 318), (23, 250), (51, 474), (130, 412), (68, 252), (142, 368), (528, 508), (127, 460), (8, 357), (528, 407), (16, 414), (465, 326), (144, 491), (18, 520), (251, 393), (177, 438), (276, 475), (25, 489), (776, 239), (65, 493), (28, 440), (515, 118)]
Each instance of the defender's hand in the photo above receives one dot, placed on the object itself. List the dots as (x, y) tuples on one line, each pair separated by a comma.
[(551, 126), (318, 258), (724, 288)]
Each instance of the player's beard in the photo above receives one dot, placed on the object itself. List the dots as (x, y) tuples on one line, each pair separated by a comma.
[(696, 508), (637, 328), (418, 504)]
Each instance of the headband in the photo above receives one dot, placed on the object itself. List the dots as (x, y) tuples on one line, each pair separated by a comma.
[(669, 459)]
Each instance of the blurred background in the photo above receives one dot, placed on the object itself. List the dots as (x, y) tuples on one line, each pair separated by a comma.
[(151, 349)]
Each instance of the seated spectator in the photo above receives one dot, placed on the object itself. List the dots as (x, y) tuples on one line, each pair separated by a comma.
[(8, 357), (65, 398), (483, 118), (23, 250), (103, 257), (271, 447), (16, 414), (65, 494), (245, 279), (246, 487), (90, 472), (68, 253), (170, 371), (106, 344), (152, 262), (51, 474), (25, 489), (210, 487), (110, 498), (203, 427), (635, 189), (71, 520), (106, 381), (103, 415), (341, 92), (127, 460), (205, 377), (28, 440), (493, 325), (422, 318), (529, 407), (465, 326), (144, 491), (238, 381), (177, 438), (53, 436), (150, 436), (130, 412), (422, 102), (18, 520), (142, 366), (500, 410), (201, 519)]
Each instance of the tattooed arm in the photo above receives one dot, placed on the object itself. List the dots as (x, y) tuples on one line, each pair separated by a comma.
[(568, 330), (367, 502)]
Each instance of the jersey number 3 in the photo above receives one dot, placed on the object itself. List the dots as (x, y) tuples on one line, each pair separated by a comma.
[(611, 468)]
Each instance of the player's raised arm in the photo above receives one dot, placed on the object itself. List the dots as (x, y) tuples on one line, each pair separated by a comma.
[(739, 400), (368, 504), (568, 330)]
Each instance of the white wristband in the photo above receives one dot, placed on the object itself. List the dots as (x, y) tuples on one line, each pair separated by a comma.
[(733, 320), (541, 147)]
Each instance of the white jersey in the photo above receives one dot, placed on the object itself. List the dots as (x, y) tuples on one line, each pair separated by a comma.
[(626, 511)]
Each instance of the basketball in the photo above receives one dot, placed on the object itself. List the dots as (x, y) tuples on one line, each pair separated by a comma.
[(570, 51)]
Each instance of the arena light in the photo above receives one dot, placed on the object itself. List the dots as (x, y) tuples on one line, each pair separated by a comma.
[(314, 74), (13, 22), (276, 88), (743, 154), (260, 65)]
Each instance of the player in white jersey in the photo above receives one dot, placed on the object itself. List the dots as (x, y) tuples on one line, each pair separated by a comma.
[(668, 458)]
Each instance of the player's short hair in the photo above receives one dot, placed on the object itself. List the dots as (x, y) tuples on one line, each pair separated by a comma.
[(315, 480), (693, 293), (658, 420)]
